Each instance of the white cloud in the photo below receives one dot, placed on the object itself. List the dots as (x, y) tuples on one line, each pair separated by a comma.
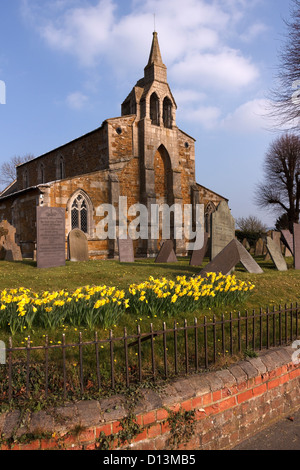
[(249, 117), (76, 100)]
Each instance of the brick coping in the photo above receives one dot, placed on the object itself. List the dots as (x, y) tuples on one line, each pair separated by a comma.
[(209, 394)]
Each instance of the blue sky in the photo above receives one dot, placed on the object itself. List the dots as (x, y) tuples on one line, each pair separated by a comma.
[(68, 65)]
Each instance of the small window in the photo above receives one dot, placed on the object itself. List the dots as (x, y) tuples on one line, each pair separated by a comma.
[(79, 214), (60, 168), (167, 113), (154, 109)]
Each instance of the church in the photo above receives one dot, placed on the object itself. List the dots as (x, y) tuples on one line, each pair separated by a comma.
[(141, 155)]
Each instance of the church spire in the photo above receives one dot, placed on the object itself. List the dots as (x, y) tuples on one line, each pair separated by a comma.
[(155, 55), (155, 69)]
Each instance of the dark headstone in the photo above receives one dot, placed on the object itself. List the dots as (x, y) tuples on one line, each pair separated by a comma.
[(78, 245), (51, 250), (296, 230), (224, 262), (229, 257), (198, 255), (166, 253), (287, 239), (126, 253), (275, 252)]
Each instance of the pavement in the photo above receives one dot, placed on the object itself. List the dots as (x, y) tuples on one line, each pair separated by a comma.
[(283, 435)]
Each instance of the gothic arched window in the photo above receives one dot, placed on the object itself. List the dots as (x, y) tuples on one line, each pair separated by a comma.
[(154, 109), (79, 213), (167, 113)]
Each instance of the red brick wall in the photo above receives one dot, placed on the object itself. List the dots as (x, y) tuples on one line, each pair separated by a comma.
[(230, 405)]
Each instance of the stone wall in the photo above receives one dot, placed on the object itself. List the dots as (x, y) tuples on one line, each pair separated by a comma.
[(230, 405)]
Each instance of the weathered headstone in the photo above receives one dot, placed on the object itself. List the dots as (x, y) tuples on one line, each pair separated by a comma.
[(224, 262), (296, 250), (229, 257), (259, 247), (288, 240), (222, 228), (126, 252), (78, 245), (198, 255), (247, 261), (246, 244), (51, 248), (166, 253), (9, 250), (276, 255)]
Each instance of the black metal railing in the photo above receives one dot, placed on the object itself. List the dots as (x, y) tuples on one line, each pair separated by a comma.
[(97, 364)]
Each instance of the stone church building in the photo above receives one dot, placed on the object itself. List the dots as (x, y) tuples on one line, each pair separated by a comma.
[(142, 155)]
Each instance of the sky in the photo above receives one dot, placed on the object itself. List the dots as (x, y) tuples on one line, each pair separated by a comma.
[(67, 65)]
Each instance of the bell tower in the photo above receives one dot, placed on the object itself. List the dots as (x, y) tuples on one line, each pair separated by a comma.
[(157, 140)]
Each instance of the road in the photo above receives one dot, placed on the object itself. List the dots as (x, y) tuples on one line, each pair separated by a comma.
[(284, 435)]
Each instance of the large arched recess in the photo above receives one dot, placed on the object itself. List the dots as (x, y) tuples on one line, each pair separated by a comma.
[(163, 177)]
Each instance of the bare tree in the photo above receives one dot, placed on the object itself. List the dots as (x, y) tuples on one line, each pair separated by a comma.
[(285, 97), (251, 224), (281, 189), (8, 169)]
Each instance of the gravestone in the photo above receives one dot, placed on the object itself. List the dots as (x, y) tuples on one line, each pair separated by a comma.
[(166, 253), (259, 247), (246, 244), (229, 257), (51, 248), (224, 262), (198, 255), (296, 249), (222, 228), (9, 250), (288, 240), (247, 260), (78, 245), (126, 252), (274, 251)]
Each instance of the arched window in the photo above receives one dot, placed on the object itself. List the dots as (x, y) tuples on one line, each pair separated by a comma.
[(167, 113), (80, 213), (154, 109)]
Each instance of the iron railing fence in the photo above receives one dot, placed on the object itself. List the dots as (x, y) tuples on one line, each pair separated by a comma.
[(132, 358)]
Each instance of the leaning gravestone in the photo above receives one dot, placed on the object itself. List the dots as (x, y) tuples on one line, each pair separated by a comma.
[(198, 255), (51, 249), (166, 253), (274, 251), (246, 259), (229, 257), (296, 231), (126, 253), (78, 245), (222, 228), (288, 240)]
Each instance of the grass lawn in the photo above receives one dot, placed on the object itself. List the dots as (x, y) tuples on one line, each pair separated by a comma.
[(272, 287)]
